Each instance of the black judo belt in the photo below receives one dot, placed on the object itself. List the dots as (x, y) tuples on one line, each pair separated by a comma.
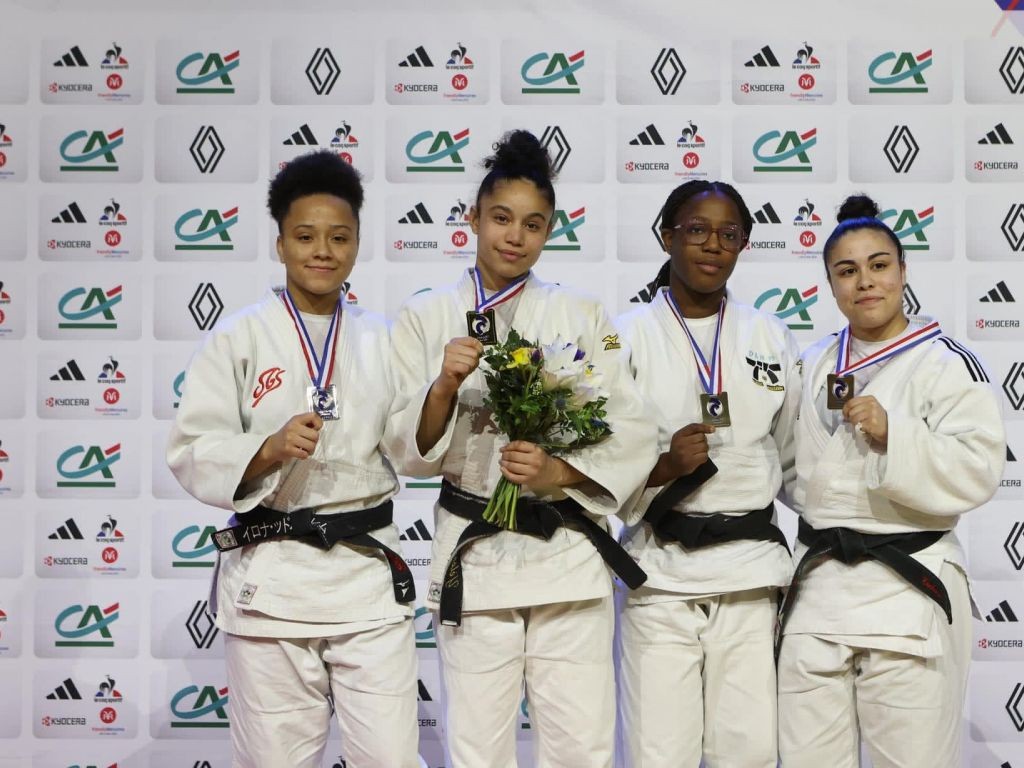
[(850, 547), (323, 531), (533, 518), (696, 531)]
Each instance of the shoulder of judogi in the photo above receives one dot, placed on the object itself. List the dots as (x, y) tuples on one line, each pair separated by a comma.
[(952, 358)]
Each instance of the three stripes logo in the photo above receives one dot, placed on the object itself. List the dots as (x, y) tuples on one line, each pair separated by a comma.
[(1003, 612), (73, 58), (648, 137), (646, 294), (763, 58), (668, 71), (418, 215), (69, 372), (418, 531), (766, 215), (1001, 293), (998, 135), (207, 149), (66, 691), (70, 215), (423, 694), (1014, 545), (901, 149), (67, 532), (322, 71), (1012, 69), (205, 306), (418, 58), (1013, 707), (302, 138)]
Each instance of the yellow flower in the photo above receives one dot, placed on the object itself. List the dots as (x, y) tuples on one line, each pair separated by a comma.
[(520, 357)]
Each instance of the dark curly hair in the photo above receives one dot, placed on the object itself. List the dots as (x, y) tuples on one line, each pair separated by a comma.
[(316, 173), (519, 155)]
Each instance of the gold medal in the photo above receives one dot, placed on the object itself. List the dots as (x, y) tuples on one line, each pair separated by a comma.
[(714, 410), (482, 327)]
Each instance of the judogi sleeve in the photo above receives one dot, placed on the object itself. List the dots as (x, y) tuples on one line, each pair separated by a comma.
[(411, 363), (208, 449), (784, 427), (619, 465), (946, 457)]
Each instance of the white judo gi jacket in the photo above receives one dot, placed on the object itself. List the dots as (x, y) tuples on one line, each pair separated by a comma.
[(754, 455), (510, 569), (248, 378), (945, 456)]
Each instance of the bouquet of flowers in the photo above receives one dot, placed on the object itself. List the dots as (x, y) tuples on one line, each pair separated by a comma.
[(548, 395)]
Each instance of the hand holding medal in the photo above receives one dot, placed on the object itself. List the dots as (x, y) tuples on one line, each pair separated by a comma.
[(869, 418), (461, 358), (297, 439)]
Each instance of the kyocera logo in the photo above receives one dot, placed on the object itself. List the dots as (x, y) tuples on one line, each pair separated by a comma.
[(96, 301), (207, 72), (196, 707), (789, 151), (210, 233), (442, 146), (86, 627), (88, 467), (552, 72), (91, 150)]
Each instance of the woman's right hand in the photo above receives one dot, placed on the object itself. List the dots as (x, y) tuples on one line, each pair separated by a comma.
[(295, 440), (461, 358)]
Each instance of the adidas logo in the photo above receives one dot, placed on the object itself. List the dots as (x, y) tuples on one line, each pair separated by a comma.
[(763, 58), (767, 215), (998, 135), (1003, 612), (417, 58), (417, 532), (646, 294), (65, 692), (70, 372), (649, 136), (424, 694), (998, 294), (302, 137), (67, 531), (417, 215), (72, 58), (70, 215)]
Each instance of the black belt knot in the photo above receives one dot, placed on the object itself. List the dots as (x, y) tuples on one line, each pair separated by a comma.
[(534, 517)]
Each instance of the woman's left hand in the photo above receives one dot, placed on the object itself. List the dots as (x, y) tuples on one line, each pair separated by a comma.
[(527, 464), (868, 417)]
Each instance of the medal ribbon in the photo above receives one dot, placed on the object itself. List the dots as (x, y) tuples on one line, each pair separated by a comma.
[(318, 366), (507, 293), (919, 336), (710, 375)]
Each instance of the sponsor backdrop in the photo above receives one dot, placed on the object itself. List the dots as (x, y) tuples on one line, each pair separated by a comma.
[(135, 149)]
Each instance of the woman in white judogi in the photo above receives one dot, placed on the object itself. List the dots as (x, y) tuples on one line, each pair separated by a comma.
[(697, 673), (283, 411), (899, 434), (513, 606)]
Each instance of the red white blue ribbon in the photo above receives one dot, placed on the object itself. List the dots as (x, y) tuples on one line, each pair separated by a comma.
[(910, 341), (320, 367), (710, 374), (509, 292)]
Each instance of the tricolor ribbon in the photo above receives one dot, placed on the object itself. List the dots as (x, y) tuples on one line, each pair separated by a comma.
[(320, 366), (843, 366), (710, 375), (509, 292)]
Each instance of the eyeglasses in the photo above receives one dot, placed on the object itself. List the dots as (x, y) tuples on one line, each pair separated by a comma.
[(698, 231)]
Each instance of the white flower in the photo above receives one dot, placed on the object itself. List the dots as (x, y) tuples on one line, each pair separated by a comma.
[(564, 366)]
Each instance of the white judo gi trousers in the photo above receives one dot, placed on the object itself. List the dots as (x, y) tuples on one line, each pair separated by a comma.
[(907, 709), (697, 678), (280, 713), (564, 653)]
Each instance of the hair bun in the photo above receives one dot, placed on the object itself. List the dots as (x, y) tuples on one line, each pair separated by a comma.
[(520, 154), (857, 207)]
